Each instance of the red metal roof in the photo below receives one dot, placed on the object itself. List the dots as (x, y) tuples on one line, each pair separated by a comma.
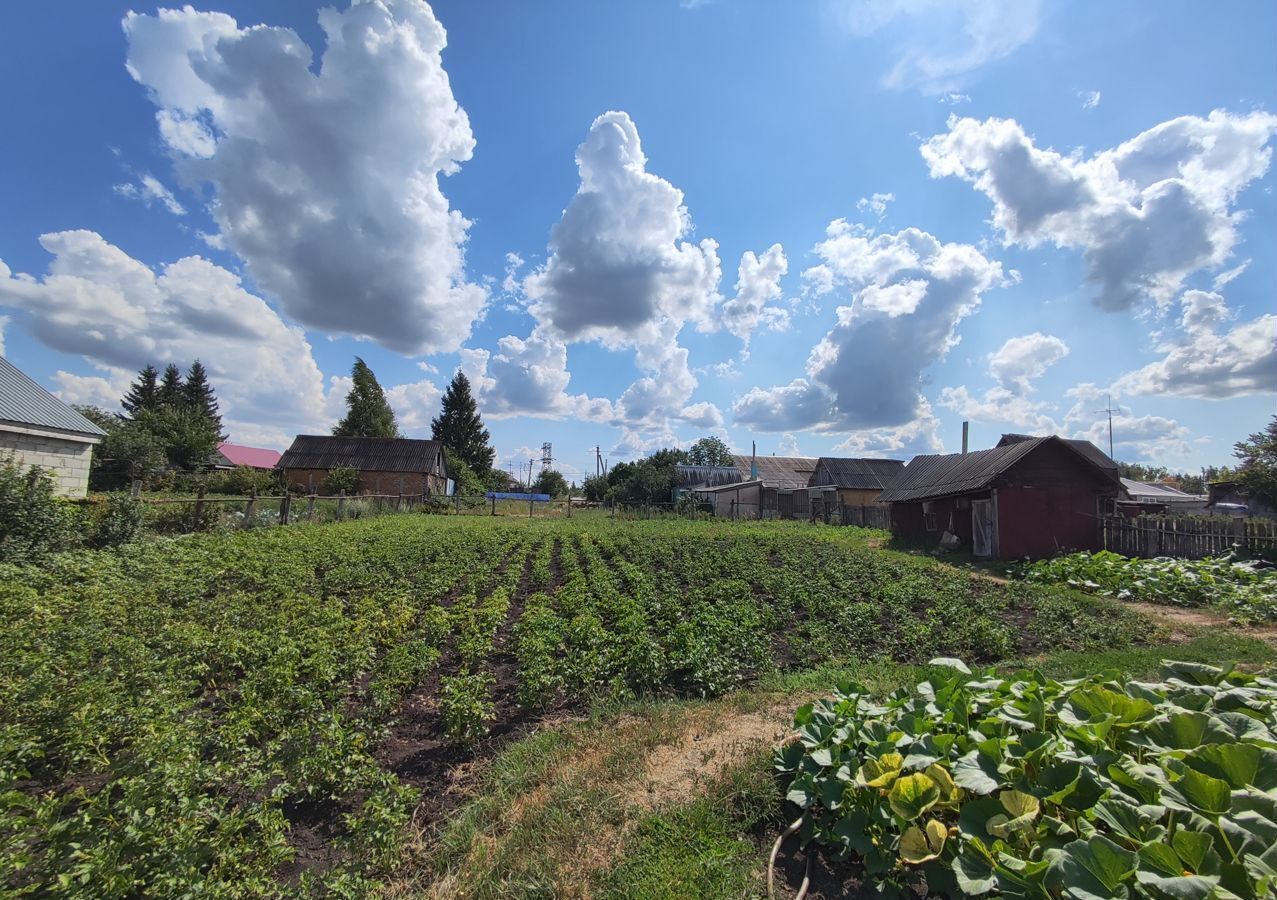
[(257, 457)]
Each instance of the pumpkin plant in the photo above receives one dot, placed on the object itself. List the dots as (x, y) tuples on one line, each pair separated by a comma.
[(1022, 786)]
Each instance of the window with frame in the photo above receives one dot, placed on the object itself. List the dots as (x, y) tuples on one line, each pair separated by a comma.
[(928, 516)]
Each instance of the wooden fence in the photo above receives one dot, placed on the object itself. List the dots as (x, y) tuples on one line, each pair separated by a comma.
[(867, 516), (1186, 537)]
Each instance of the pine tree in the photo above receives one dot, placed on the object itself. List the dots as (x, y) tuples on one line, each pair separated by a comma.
[(367, 412), (170, 390), (144, 393), (198, 394), (459, 428)]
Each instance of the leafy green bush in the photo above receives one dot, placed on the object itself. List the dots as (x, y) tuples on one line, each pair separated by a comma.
[(1247, 591), (119, 522), (342, 478), (33, 521), (1030, 787)]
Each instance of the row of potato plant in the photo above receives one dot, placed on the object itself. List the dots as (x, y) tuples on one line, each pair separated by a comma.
[(1024, 786)]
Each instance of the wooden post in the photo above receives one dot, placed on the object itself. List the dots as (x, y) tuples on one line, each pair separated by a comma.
[(248, 508), (135, 489), (494, 504), (199, 505), (341, 505), (399, 499), (285, 507), (569, 504), (310, 506), (529, 494)]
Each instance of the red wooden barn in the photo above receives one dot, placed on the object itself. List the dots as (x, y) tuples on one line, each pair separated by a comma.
[(1028, 497)]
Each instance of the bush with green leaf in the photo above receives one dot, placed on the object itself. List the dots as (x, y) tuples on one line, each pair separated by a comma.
[(34, 522), (1028, 787), (342, 478)]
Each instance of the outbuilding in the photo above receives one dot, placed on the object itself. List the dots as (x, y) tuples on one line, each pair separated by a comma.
[(38, 429), (231, 456), (1028, 497), (386, 465), (858, 482)]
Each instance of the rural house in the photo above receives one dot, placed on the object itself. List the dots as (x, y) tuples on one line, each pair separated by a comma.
[(1027, 497), (845, 490), (769, 487), (38, 429), (230, 456), (386, 465)]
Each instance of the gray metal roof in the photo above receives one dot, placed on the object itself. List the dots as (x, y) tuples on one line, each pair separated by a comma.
[(929, 477), (779, 471), (687, 475), (314, 451), (1157, 492), (24, 402), (1086, 448), (863, 474)]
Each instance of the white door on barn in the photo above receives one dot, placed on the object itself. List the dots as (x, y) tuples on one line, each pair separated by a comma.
[(982, 527)]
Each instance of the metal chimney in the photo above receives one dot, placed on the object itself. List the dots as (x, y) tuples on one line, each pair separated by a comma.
[(966, 430)]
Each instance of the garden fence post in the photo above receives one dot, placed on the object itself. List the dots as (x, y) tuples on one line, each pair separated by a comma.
[(248, 508), (341, 505), (285, 506), (310, 506), (569, 504), (494, 504), (530, 501), (135, 489), (199, 505), (399, 499)]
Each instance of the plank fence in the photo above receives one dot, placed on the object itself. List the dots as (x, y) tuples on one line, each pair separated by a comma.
[(1186, 537), (867, 516)]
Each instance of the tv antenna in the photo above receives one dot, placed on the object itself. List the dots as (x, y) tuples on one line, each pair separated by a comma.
[(1108, 408)]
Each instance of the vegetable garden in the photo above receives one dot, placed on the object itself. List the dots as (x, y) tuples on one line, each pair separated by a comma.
[(266, 711)]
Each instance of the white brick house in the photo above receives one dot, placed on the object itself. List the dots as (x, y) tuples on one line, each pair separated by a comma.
[(38, 429)]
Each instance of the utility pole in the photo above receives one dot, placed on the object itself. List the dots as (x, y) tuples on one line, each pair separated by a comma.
[(1108, 408)]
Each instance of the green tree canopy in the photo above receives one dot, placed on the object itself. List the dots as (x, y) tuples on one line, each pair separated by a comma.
[(459, 427), (144, 393), (188, 437), (709, 451), (550, 482), (1257, 472), (368, 414)]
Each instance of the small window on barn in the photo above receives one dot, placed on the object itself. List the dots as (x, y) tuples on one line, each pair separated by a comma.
[(928, 516)]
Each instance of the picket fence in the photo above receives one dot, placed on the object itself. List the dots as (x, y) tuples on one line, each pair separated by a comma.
[(1186, 537)]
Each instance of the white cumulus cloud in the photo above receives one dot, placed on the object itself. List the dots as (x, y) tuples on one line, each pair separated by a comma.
[(1145, 214), (150, 189), (326, 172)]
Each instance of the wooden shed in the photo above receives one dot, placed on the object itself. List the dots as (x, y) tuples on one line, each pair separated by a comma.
[(858, 482), (386, 465), (1032, 497)]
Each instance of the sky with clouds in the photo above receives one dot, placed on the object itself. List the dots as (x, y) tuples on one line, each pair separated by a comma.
[(833, 228)]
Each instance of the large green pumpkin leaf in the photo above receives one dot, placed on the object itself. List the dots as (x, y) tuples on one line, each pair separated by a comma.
[(1193, 849), (1090, 869), (912, 795), (944, 782), (950, 663), (973, 873), (976, 772), (1241, 765), (1180, 887), (1201, 793)]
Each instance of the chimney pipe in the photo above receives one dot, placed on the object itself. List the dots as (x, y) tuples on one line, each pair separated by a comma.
[(966, 428)]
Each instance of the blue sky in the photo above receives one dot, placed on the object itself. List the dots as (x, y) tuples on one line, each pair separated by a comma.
[(833, 228)]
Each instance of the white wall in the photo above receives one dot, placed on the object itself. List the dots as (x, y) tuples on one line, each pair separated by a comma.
[(66, 458)]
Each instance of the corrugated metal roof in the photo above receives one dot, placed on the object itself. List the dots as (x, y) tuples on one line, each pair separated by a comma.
[(862, 474), (779, 471), (24, 402), (312, 451), (1086, 448), (257, 457), (1160, 492), (929, 477), (687, 475)]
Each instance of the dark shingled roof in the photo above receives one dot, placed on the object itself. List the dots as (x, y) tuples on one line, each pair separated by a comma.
[(786, 472), (24, 402), (862, 474), (313, 451), (929, 477)]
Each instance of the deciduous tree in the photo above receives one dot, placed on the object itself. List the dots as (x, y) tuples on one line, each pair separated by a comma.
[(1257, 472)]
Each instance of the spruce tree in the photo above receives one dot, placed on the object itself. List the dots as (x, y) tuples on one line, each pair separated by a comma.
[(367, 412), (198, 394), (170, 390), (459, 428), (144, 393)]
